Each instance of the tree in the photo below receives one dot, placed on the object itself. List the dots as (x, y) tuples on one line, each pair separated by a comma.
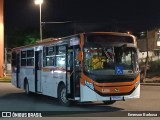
[(30, 39), (16, 38)]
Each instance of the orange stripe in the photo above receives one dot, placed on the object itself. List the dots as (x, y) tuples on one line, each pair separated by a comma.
[(82, 40), (45, 69), (82, 82), (109, 88), (81, 46), (85, 78)]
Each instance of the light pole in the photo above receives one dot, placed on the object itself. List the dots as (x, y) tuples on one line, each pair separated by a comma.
[(39, 2)]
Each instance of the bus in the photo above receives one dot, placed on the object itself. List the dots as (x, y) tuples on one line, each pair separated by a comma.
[(86, 67)]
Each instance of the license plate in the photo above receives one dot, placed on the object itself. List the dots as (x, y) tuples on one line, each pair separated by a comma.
[(116, 97)]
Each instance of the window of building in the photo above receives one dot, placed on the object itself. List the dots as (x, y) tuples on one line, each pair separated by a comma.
[(158, 36), (143, 35)]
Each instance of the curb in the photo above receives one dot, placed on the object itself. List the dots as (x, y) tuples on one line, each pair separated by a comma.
[(5, 81), (151, 84)]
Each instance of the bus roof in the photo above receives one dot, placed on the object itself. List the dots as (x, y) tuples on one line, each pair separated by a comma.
[(48, 41)]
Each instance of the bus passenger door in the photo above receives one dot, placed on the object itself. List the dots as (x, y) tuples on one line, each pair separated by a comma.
[(73, 80), (38, 68)]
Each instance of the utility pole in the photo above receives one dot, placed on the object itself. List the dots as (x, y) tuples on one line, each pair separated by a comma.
[(5, 60)]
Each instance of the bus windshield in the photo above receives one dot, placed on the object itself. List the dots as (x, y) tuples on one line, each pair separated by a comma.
[(110, 60)]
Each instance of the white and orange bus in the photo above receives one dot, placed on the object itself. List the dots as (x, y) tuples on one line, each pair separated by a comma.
[(97, 66)]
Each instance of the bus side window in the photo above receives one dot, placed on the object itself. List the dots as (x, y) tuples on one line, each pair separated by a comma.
[(44, 56), (14, 59), (70, 59), (14, 63), (48, 56), (76, 58), (61, 56), (30, 57), (23, 58)]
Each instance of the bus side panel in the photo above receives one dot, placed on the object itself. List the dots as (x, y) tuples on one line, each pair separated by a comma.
[(22, 77), (29, 74), (47, 83), (87, 94), (50, 81), (135, 94), (14, 80)]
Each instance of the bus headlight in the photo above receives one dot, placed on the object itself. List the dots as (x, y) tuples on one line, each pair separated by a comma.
[(137, 83)]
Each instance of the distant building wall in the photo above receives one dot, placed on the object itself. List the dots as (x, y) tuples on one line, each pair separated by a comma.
[(143, 55), (152, 36), (141, 43)]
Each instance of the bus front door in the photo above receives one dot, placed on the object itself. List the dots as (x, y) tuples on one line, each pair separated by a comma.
[(73, 80), (38, 67)]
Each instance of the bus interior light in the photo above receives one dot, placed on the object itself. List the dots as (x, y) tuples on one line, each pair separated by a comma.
[(61, 62), (58, 71)]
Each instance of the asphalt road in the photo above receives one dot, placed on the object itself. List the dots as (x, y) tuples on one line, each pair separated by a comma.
[(13, 99)]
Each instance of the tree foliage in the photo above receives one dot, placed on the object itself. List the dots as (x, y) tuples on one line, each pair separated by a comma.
[(18, 38)]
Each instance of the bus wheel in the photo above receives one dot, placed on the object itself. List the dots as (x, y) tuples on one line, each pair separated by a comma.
[(108, 102), (62, 96), (27, 88)]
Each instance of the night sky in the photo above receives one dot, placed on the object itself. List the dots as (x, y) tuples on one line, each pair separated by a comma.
[(88, 15)]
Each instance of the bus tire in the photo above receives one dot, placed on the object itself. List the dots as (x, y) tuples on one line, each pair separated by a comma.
[(26, 88), (62, 100), (109, 102)]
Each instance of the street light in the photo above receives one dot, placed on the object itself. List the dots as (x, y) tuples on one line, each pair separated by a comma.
[(39, 2)]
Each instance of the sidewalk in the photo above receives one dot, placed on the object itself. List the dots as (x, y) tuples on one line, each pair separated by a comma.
[(154, 81)]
